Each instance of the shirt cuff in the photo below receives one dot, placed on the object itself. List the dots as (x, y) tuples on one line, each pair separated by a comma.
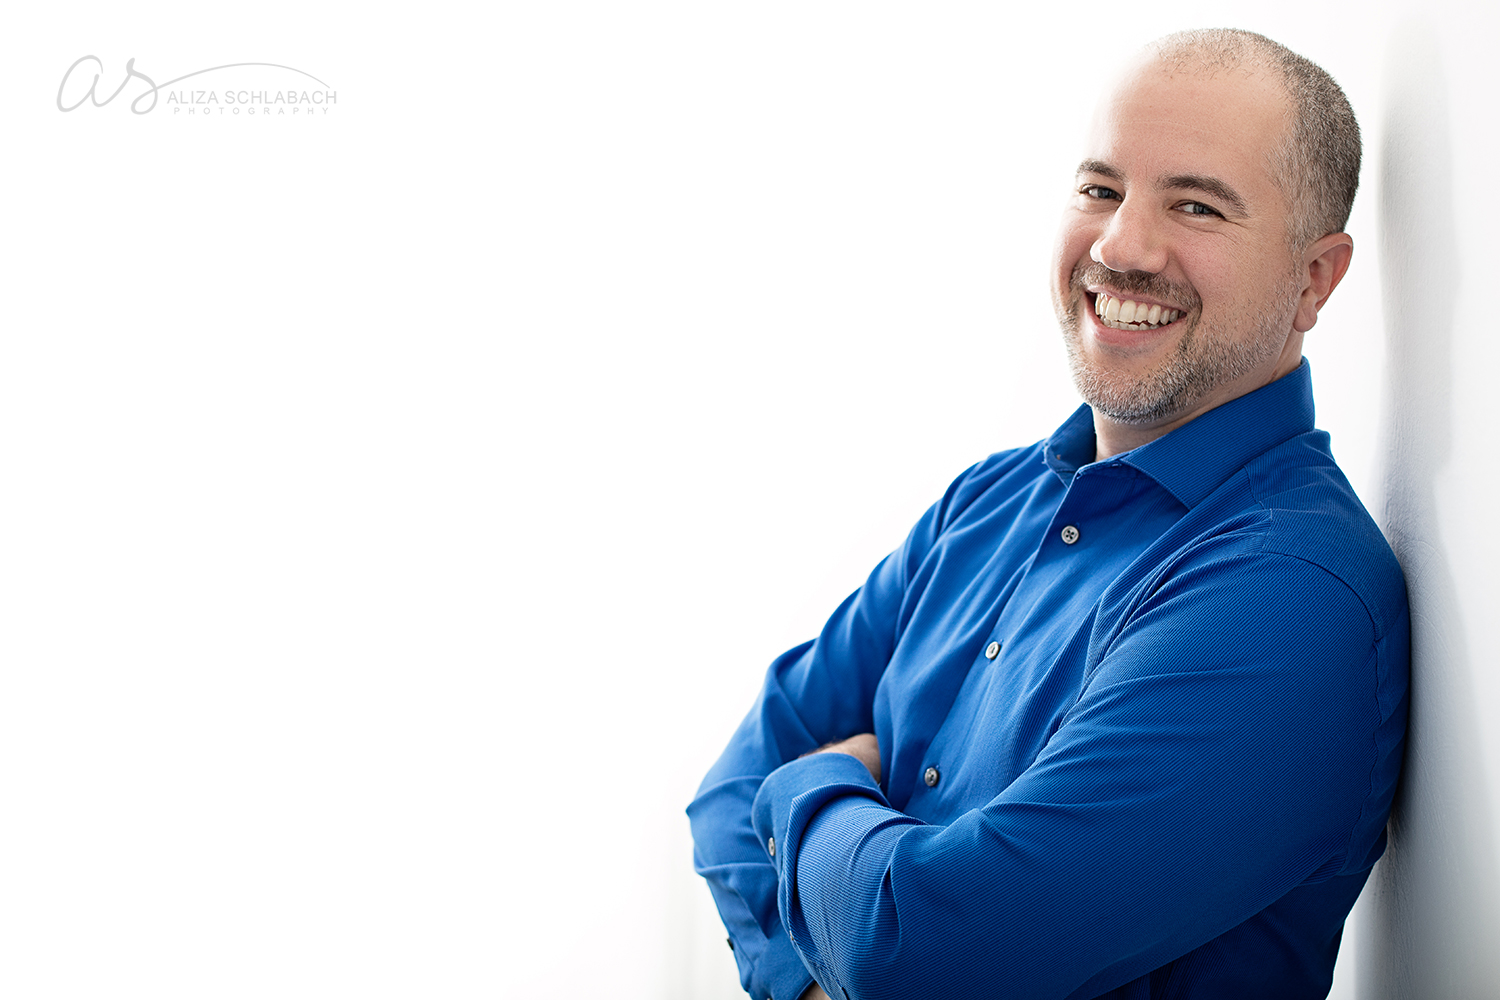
[(795, 791), (792, 794)]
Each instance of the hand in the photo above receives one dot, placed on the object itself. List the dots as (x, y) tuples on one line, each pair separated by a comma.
[(814, 992), (863, 747)]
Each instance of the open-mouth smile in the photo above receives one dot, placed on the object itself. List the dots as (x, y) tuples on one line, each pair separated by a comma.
[(1128, 314)]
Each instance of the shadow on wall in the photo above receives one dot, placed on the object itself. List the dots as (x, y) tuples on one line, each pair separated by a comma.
[(1432, 926)]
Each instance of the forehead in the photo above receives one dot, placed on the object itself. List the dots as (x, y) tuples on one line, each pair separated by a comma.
[(1224, 124)]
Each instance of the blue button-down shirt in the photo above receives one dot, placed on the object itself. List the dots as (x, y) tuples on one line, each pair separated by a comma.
[(1170, 780)]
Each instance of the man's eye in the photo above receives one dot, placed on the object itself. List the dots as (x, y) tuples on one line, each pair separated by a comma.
[(1198, 208), (1098, 191)]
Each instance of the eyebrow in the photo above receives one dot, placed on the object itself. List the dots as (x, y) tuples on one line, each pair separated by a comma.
[(1192, 182), (1101, 168)]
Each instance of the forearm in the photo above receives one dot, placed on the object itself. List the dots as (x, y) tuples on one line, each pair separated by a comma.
[(743, 884), (821, 691), (727, 852)]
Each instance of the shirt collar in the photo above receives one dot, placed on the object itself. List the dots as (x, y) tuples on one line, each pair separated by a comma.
[(1193, 460)]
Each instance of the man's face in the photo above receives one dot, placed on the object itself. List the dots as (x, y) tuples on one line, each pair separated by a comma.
[(1173, 277)]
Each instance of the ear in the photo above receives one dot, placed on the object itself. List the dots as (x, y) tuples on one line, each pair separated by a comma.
[(1323, 267)]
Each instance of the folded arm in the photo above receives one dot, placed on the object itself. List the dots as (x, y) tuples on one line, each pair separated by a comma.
[(819, 692), (1191, 786)]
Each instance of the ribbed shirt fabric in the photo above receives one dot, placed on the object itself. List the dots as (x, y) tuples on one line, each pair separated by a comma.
[(1170, 780)]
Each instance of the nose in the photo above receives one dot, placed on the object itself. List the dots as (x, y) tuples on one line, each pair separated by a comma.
[(1132, 240)]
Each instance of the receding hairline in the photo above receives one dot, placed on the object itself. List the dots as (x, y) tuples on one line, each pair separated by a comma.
[(1252, 73)]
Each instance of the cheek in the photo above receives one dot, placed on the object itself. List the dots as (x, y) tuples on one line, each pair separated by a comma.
[(1218, 273), (1075, 237)]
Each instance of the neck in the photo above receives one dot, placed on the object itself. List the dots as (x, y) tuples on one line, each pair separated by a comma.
[(1111, 437)]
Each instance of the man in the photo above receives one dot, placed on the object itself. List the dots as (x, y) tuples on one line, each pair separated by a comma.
[(1124, 715)]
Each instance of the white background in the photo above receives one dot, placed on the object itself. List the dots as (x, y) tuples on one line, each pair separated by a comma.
[(402, 503)]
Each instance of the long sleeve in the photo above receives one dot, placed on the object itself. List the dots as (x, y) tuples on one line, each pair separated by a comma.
[(820, 691), (1234, 739)]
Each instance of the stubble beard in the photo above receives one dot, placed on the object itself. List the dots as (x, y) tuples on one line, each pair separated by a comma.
[(1206, 357)]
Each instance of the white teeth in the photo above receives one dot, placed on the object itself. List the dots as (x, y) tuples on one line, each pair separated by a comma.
[(1131, 315)]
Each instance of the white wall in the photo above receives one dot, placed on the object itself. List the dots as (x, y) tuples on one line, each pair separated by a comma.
[(402, 506), (1430, 920)]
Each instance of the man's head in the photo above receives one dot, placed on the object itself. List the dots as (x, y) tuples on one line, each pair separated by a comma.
[(1204, 232)]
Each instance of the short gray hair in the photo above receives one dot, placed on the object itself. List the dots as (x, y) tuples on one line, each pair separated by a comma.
[(1317, 167)]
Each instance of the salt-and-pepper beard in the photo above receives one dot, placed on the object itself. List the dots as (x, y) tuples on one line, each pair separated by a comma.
[(1205, 358)]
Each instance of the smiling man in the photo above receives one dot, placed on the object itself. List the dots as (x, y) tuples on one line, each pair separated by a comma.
[(1124, 715)]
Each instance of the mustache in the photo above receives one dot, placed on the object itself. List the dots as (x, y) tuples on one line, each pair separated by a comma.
[(1134, 283)]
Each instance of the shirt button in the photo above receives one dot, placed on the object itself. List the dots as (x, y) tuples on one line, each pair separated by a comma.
[(1069, 535), (931, 777), (771, 845), (991, 651)]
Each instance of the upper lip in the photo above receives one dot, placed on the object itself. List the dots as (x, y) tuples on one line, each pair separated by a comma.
[(1133, 297)]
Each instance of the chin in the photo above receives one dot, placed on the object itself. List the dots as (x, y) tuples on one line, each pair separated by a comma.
[(1136, 392)]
